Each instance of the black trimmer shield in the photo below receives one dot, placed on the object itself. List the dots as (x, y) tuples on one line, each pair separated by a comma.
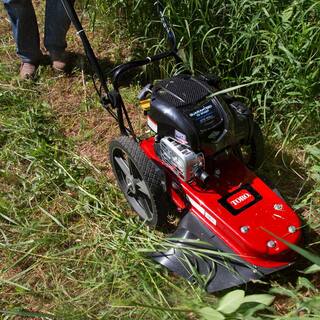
[(198, 255)]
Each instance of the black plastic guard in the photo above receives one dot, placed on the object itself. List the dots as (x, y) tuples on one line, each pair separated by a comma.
[(199, 255)]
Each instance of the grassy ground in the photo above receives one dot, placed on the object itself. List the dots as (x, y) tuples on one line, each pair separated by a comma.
[(70, 248)]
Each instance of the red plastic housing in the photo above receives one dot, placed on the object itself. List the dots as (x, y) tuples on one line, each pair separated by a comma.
[(239, 208)]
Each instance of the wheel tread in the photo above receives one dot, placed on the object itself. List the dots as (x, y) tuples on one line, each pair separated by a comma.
[(150, 173)]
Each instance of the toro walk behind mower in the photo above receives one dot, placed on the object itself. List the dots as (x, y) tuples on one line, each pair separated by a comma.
[(195, 162)]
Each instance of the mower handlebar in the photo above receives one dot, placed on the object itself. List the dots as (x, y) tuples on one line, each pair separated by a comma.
[(118, 71), (166, 25), (121, 69)]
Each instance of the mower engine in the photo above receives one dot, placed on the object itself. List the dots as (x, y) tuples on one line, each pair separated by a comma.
[(182, 160), (198, 143), (192, 124)]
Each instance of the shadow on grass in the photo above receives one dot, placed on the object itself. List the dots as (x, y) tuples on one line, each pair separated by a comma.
[(286, 174), (78, 61)]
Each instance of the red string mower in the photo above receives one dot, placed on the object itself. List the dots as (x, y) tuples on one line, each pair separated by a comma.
[(195, 163)]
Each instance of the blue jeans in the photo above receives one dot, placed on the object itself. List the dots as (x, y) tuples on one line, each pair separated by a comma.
[(25, 28)]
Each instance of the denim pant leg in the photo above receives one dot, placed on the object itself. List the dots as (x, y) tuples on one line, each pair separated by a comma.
[(25, 29), (56, 26)]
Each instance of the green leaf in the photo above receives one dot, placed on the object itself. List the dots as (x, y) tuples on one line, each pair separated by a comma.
[(26, 313), (52, 217), (231, 301), (286, 14), (313, 150), (304, 283), (208, 313), (11, 283), (313, 305), (249, 313), (312, 269), (283, 292), (265, 299), (217, 93), (7, 218)]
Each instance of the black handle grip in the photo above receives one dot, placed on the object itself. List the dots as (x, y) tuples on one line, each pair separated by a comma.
[(118, 71)]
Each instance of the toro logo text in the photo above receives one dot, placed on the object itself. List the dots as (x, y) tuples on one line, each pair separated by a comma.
[(240, 199)]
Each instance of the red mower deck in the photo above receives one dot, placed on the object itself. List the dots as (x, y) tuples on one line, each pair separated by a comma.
[(239, 208)]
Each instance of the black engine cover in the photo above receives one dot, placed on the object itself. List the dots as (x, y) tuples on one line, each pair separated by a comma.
[(183, 107)]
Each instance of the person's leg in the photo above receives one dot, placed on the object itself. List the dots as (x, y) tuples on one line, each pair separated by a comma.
[(56, 27), (25, 30)]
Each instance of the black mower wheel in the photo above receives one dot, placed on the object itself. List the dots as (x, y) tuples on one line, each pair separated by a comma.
[(140, 180), (253, 153)]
